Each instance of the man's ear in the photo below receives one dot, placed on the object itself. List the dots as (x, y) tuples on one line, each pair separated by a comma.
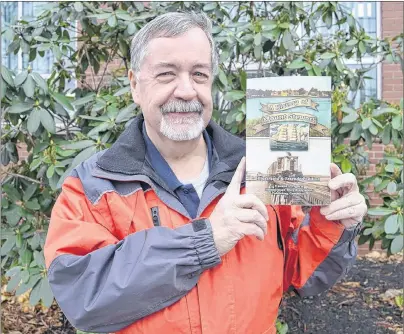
[(134, 88)]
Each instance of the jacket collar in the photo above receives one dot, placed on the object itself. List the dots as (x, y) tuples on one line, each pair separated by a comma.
[(127, 156)]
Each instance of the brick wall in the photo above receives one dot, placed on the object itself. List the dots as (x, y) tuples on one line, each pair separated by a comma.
[(392, 25)]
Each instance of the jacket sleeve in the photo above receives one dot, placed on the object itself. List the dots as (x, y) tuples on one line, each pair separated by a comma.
[(103, 284), (318, 252)]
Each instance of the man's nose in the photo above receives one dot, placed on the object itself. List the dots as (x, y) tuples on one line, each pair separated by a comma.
[(185, 89)]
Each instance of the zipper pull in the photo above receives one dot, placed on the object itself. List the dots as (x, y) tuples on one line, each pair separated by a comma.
[(155, 216)]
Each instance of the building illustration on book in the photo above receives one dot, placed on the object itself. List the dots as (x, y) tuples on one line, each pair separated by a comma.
[(288, 140)]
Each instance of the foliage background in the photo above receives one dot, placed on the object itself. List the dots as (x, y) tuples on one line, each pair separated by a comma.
[(90, 42)]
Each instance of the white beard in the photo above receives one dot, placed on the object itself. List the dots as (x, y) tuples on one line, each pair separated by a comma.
[(182, 129)]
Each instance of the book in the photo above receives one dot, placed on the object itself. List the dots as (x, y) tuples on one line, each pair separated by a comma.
[(288, 139)]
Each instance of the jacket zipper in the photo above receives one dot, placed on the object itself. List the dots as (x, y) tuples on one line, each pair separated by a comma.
[(155, 216)]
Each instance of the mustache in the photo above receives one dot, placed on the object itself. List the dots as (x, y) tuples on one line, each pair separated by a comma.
[(182, 106)]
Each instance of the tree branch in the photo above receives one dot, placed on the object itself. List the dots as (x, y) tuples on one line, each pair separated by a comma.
[(24, 177)]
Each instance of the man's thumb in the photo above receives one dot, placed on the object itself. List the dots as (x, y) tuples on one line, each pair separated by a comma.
[(235, 183)]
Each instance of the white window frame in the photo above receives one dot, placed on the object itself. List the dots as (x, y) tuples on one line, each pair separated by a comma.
[(46, 76)]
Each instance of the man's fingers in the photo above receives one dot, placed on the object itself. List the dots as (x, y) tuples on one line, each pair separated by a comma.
[(346, 181), (252, 217), (251, 201), (335, 171), (235, 183), (251, 229), (357, 211), (342, 203)]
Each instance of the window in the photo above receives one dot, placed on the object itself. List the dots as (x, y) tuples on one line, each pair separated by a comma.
[(368, 16), (11, 12)]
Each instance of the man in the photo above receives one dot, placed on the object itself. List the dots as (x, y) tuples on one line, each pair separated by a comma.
[(157, 235)]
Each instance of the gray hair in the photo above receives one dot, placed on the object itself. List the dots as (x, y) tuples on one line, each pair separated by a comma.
[(171, 25)]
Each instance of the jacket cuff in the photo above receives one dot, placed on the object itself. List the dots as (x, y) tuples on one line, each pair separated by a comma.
[(204, 244)]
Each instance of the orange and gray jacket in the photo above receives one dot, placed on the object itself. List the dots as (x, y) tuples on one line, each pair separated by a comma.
[(124, 255)]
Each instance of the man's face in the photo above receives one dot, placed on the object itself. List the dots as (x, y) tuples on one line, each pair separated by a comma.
[(174, 86)]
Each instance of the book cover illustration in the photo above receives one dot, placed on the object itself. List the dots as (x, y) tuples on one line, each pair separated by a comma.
[(288, 125)]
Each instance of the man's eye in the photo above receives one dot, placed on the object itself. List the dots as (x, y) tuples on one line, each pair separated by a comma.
[(165, 74), (200, 74)]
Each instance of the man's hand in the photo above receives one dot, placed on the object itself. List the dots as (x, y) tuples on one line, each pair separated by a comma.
[(236, 216), (347, 204)]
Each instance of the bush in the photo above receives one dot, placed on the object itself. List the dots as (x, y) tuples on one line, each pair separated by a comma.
[(62, 127)]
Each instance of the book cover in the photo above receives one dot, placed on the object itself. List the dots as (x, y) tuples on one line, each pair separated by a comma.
[(288, 128)]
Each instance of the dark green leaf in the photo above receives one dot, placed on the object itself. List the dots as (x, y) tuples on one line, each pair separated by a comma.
[(124, 16), (222, 77), (84, 155), (50, 171), (40, 81), (35, 295), (46, 293), (328, 55), (392, 187), (47, 121), (79, 145), (316, 69), (352, 42), (122, 91), (12, 192), (268, 24), (131, 28), (63, 100), (99, 128), (397, 244), (350, 118), (366, 123), (84, 100), (386, 135), (297, 63), (112, 21), (288, 42), (382, 185), (284, 25), (234, 95), (397, 122), (13, 282), (362, 47), (339, 65), (29, 192), (356, 132), (39, 258), (258, 52), (33, 205), (391, 224), (20, 78), (24, 287), (102, 16), (7, 246), (20, 107), (29, 86), (373, 129), (6, 74), (382, 111), (26, 257), (209, 6), (78, 6), (379, 211), (257, 39), (34, 120)]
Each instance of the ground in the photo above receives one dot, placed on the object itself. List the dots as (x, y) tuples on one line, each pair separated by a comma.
[(362, 303)]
